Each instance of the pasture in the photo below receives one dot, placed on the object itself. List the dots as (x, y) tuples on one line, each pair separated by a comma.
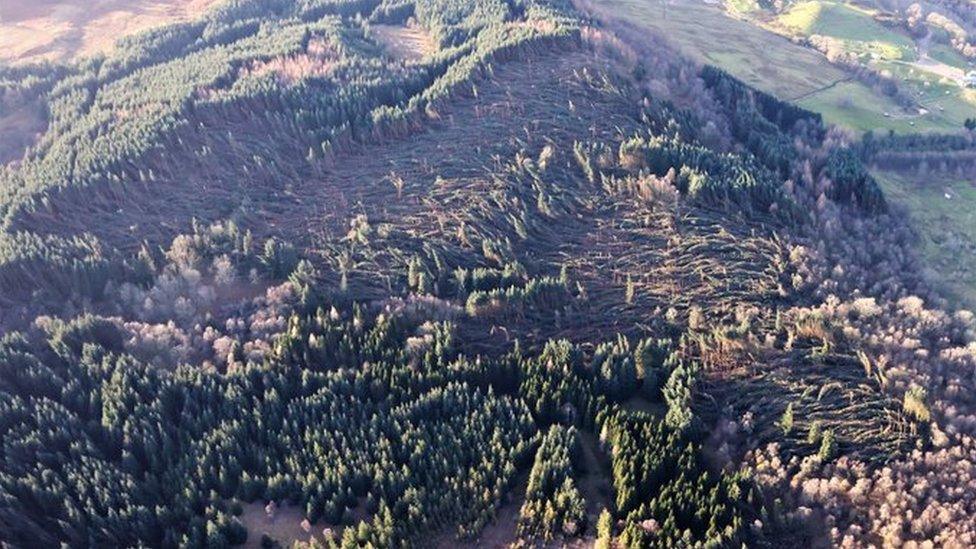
[(941, 208), (747, 49), (709, 35), (851, 28)]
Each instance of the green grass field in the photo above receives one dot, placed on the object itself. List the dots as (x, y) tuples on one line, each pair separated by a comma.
[(742, 6), (770, 62), (948, 104), (949, 56), (852, 28), (758, 57), (941, 210), (858, 107)]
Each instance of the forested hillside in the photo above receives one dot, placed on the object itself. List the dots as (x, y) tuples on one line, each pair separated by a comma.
[(452, 273)]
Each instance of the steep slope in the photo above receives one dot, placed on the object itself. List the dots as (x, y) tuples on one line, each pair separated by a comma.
[(272, 278)]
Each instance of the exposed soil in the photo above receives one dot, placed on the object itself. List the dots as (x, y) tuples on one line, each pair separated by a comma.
[(285, 526), (595, 484), (410, 43)]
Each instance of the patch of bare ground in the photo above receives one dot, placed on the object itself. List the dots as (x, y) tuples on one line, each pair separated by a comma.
[(594, 484), (59, 30), (20, 128), (641, 404), (319, 59), (410, 42), (286, 524)]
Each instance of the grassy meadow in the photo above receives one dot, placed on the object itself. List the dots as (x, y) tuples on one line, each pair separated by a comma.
[(731, 39), (942, 212), (854, 29), (710, 36)]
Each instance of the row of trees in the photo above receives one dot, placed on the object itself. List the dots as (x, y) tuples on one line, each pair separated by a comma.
[(664, 491), (553, 505)]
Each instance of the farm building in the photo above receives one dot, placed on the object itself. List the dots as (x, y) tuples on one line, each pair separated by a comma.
[(969, 80)]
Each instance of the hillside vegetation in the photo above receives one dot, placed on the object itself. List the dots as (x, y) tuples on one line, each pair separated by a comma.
[(60, 30), (389, 273), (874, 67), (931, 178), (861, 65), (855, 28)]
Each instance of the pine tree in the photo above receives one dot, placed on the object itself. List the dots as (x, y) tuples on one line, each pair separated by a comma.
[(604, 530), (786, 420), (828, 446)]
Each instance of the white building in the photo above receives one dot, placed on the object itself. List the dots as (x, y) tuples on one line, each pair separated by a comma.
[(969, 80)]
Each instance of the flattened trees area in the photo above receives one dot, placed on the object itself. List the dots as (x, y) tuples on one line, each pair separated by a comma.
[(442, 272)]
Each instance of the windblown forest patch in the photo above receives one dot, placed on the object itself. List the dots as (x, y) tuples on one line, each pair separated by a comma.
[(376, 273)]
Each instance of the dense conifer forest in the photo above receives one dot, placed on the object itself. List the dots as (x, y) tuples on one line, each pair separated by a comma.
[(273, 278)]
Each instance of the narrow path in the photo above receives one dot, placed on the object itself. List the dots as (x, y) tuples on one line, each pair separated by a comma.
[(803, 96), (596, 485)]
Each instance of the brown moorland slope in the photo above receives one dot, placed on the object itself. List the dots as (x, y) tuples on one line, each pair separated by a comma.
[(58, 30)]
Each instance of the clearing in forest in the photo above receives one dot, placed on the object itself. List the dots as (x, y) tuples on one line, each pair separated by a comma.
[(410, 43)]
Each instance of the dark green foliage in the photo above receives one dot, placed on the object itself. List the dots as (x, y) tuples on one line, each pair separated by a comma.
[(189, 441), (553, 387), (873, 144), (784, 115), (615, 367), (678, 393), (53, 269), (920, 152), (851, 182), (604, 530), (546, 293), (709, 178), (759, 120), (664, 493), (828, 445), (279, 258), (553, 505), (786, 421), (650, 358)]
